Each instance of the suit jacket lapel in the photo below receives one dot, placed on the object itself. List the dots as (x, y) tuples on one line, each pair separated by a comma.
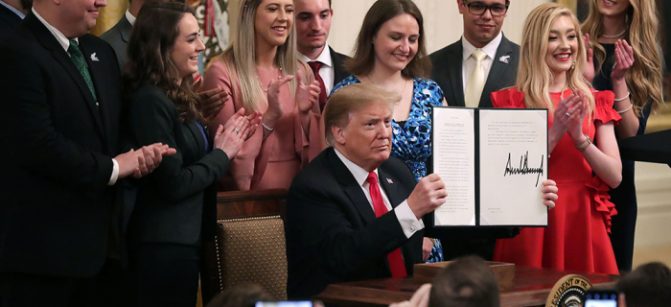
[(389, 185), (338, 68), (351, 188), (496, 72), (50, 43), (198, 137), (125, 30), (98, 76), (456, 76)]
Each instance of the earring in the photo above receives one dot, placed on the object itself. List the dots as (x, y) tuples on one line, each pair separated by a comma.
[(573, 65)]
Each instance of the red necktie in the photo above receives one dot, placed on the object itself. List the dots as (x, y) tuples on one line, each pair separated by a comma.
[(395, 258), (316, 65)]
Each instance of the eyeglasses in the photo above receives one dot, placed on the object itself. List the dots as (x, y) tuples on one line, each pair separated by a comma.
[(479, 8)]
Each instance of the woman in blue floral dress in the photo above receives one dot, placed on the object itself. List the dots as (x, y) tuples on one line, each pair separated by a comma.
[(397, 62)]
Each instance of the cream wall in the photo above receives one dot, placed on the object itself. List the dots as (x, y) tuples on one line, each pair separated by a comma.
[(442, 21)]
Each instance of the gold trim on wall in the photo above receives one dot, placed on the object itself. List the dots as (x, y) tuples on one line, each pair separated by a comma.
[(572, 4), (109, 16)]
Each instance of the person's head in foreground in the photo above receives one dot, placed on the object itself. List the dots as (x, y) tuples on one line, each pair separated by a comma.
[(466, 282), (649, 285)]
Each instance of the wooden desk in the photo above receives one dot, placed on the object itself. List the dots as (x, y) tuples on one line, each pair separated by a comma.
[(530, 288)]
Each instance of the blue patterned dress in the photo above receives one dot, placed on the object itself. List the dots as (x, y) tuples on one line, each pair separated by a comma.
[(411, 141)]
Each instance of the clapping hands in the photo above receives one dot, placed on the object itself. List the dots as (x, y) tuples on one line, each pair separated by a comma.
[(237, 129), (142, 161)]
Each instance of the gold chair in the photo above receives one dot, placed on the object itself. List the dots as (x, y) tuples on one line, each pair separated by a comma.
[(249, 245)]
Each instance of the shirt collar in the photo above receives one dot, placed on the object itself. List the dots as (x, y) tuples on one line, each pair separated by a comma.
[(13, 9), (60, 37), (324, 57), (489, 49), (360, 174), (130, 18)]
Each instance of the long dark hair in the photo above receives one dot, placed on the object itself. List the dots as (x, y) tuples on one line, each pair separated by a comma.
[(149, 62), (364, 52)]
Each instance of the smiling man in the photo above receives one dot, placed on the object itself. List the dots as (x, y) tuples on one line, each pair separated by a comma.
[(481, 62), (59, 220), (355, 213), (313, 23)]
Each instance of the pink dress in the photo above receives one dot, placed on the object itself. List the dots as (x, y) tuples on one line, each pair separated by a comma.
[(274, 161), (576, 238)]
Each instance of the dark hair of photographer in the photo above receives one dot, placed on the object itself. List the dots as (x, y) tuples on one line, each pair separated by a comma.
[(649, 285), (467, 282)]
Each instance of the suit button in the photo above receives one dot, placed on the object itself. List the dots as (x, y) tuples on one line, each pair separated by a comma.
[(97, 104)]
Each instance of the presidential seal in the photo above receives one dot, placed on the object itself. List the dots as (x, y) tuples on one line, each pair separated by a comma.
[(569, 291)]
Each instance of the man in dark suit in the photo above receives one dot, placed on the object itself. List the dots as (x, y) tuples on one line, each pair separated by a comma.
[(61, 140), (453, 67), (313, 23), (340, 225), (118, 35), (11, 14)]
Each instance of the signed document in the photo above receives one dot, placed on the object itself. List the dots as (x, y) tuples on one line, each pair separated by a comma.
[(493, 162)]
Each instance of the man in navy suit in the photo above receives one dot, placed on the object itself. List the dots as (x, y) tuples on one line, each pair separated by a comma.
[(340, 225), (453, 67), (59, 223), (313, 23)]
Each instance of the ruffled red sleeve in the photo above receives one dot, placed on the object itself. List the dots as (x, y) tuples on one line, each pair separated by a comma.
[(507, 98), (601, 200), (603, 107)]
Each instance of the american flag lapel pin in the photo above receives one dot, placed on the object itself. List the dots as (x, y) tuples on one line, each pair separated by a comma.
[(389, 181), (94, 57)]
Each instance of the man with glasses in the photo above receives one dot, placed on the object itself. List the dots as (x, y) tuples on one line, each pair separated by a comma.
[(481, 62)]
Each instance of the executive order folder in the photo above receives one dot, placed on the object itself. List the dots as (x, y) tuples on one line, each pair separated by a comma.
[(493, 163)]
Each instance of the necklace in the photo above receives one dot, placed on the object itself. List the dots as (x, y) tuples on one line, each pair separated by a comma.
[(617, 35)]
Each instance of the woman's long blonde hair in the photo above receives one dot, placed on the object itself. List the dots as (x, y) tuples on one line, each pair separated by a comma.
[(240, 57), (644, 78), (534, 75)]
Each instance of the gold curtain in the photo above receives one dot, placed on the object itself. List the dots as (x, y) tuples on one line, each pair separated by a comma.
[(110, 15), (572, 4)]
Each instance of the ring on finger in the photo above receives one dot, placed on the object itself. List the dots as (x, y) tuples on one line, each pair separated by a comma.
[(567, 114)]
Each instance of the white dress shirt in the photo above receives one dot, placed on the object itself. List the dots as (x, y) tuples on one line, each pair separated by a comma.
[(18, 13), (327, 72)]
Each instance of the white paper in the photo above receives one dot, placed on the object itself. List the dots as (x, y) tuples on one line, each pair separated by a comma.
[(512, 159), (513, 165), (454, 162)]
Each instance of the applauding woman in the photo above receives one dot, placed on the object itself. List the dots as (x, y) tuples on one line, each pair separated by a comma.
[(175, 204), (550, 77), (260, 73), (627, 60)]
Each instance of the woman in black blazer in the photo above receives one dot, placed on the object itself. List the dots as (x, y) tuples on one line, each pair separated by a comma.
[(175, 208)]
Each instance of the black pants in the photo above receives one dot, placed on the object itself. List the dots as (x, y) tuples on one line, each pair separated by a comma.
[(165, 274), (29, 290)]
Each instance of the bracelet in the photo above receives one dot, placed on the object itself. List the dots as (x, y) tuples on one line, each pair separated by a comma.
[(266, 127), (622, 98), (582, 146), (625, 109)]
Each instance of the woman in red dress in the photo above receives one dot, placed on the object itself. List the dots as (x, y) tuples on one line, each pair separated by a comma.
[(584, 159)]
